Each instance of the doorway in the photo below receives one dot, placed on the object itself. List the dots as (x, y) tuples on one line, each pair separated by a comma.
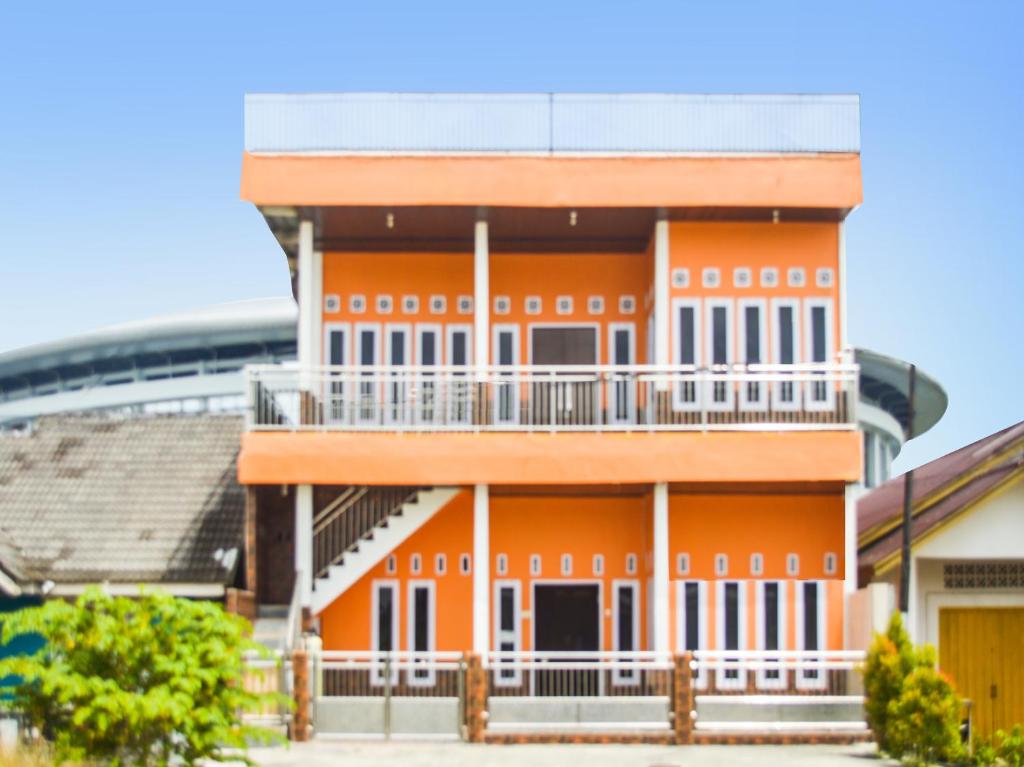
[(565, 402), (567, 618)]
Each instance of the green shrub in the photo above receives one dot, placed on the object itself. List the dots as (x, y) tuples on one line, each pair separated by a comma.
[(1006, 749), (890, 660), (141, 681), (924, 721)]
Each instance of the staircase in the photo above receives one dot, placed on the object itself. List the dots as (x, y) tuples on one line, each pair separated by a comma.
[(362, 526)]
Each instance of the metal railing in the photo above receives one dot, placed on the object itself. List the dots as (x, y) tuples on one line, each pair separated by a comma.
[(390, 674), (553, 398), (797, 672), (578, 674), (268, 675)]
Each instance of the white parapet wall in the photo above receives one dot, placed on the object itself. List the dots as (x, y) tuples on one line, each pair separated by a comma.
[(869, 610)]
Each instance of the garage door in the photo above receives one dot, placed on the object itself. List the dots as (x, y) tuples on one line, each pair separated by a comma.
[(982, 649)]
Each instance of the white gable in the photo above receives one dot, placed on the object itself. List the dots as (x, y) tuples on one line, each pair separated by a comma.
[(994, 529)]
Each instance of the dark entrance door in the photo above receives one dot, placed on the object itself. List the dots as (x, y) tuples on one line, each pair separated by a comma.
[(566, 619), (564, 403)]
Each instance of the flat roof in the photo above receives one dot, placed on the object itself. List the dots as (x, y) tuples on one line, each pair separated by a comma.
[(545, 123)]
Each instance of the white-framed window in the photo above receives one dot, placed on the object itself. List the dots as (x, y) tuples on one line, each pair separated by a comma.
[(796, 277), (731, 630), (391, 564), (337, 352), (397, 353), (757, 564), (566, 567), (830, 563), (792, 564), (384, 624), (532, 305), (824, 277), (753, 351), (810, 630), (625, 626), (595, 305), (599, 564), (501, 564), (682, 564), (465, 564), (428, 354), (410, 304), (622, 391), (563, 305), (627, 304), (535, 564), (686, 350), (464, 304), (438, 304), (718, 351), (357, 303), (385, 304), (459, 353), (421, 628), (721, 564), (508, 635), (691, 620), (819, 349), (332, 303), (415, 564), (506, 354), (710, 277), (769, 277), (502, 304), (631, 564), (771, 629), (785, 350), (440, 564), (742, 277), (367, 354), (680, 277)]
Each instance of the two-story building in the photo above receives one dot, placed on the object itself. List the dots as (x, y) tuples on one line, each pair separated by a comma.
[(573, 371)]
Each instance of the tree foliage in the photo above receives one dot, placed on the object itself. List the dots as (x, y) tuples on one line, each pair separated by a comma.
[(924, 721), (890, 660), (142, 681)]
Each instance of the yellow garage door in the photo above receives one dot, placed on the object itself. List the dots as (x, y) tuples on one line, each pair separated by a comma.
[(982, 649)]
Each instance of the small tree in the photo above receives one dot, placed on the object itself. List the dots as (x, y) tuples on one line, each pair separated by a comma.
[(924, 722), (890, 660), (135, 681)]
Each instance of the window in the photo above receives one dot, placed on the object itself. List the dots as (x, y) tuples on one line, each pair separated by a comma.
[(563, 305), (682, 564), (567, 564), (410, 304), (631, 564), (741, 277), (502, 304), (718, 345), (625, 626), (384, 626), (796, 277), (464, 304), (753, 343), (627, 304), (824, 277), (691, 614), (681, 278), (357, 304), (506, 354), (599, 564), (336, 353), (785, 348), (810, 629), (818, 320), (465, 564), (507, 633), (367, 354), (440, 564), (595, 305), (421, 628), (501, 564), (438, 304), (384, 304), (721, 564), (771, 628), (769, 277), (792, 564), (332, 303), (830, 563), (533, 305), (391, 565), (460, 408), (535, 564), (731, 612), (396, 391), (415, 564), (428, 354), (710, 277), (686, 352), (757, 564), (621, 351)]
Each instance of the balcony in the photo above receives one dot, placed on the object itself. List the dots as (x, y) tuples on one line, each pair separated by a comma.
[(807, 397)]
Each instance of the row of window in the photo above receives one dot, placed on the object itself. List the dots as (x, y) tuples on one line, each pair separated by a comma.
[(694, 623), (438, 304), (743, 277), (566, 565)]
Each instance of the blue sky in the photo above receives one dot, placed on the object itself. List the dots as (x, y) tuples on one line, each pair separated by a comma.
[(121, 139)]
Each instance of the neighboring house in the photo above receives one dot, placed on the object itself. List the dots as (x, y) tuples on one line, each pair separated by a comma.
[(122, 502), (573, 371), (967, 566)]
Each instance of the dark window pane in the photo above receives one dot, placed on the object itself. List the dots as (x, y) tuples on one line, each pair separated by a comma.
[(771, 616), (692, 616), (625, 618), (428, 349), (337, 347), (818, 333), (719, 338), (621, 347), (367, 340), (458, 348), (732, 616), (384, 618), (687, 351), (397, 347), (786, 335), (810, 616), (421, 608), (504, 348), (753, 322), (508, 610)]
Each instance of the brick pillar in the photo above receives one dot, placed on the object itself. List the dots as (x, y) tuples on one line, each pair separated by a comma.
[(250, 540), (300, 675), (476, 699), (682, 699)]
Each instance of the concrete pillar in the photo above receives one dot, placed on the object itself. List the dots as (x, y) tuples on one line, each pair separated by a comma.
[(682, 699), (850, 539), (843, 335), (316, 341), (660, 597), (306, 289), (481, 570), (662, 354), (481, 294), (304, 543)]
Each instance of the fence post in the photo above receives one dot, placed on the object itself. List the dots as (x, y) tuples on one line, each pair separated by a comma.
[(476, 698), (387, 696), (300, 677), (682, 699)]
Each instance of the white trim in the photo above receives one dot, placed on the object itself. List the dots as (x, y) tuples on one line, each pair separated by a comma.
[(367, 395), (843, 331), (511, 389), (376, 678), (702, 625), (396, 400), (426, 411), (515, 636), (481, 290), (803, 682), (458, 411), (740, 681), (753, 394), (785, 395), (628, 388), (481, 569), (763, 682), (723, 389), (309, 304), (685, 395), (661, 568), (303, 538), (661, 292), (422, 328), (337, 395), (568, 325), (819, 396), (621, 676), (421, 583)]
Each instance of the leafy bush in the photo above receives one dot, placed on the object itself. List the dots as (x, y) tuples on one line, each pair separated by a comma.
[(1006, 749), (924, 721), (141, 681), (890, 660)]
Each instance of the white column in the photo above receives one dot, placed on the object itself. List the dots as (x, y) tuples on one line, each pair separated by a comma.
[(481, 569), (661, 309), (661, 569), (481, 295), (316, 352), (304, 542), (850, 528), (306, 289), (843, 333)]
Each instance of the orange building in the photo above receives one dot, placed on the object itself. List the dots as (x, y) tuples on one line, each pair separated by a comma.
[(573, 371)]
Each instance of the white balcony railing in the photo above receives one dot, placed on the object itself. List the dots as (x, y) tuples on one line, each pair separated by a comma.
[(543, 398)]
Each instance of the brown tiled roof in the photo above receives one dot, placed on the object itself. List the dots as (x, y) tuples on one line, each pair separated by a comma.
[(937, 496), (132, 500)]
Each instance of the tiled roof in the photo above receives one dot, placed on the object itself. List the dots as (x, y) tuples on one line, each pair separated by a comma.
[(132, 500), (937, 496)]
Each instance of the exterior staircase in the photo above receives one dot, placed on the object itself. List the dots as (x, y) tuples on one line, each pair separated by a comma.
[(360, 527)]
